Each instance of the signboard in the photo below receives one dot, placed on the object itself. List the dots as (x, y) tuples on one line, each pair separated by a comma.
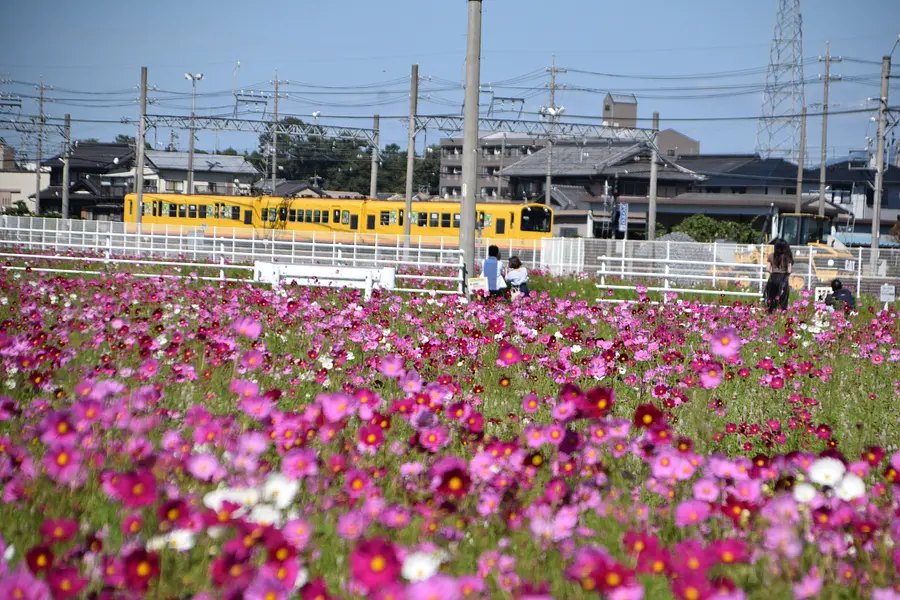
[(888, 293), (822, 293), (623, 216)]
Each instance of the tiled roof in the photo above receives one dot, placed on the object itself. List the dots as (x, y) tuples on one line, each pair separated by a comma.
[(209, 163), (95, 155)]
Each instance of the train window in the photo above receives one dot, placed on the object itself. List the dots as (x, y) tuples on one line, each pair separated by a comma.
[(155, 208), (535, 219), (345, 217), (370, 222), (172, 210), (273, 215), (192, 211), (236, 213), (300, 215), (248, 217), (423, 219), (325, 217), (481, 219), (201, 212), (309, 216), (317, 216), (445, 220), (456, 220), (337, 216), (501, 226), (433, 220), (282, 214), (488, 219), (401, 217), (182, 211), (385, 217), (354, 222), (130, 202), (292, 215)]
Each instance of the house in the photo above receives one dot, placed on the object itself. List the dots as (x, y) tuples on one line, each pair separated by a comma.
[(853, 188), (620, 110), (17, 184), (312, 189)]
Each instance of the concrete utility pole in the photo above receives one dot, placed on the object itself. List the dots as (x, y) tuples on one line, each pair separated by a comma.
[(373, 181), (552, 113), (828, 78), (67, 149), (411, 149), (470, 141), (194, 79), (40, 150), (275, 137), (548, 184), (798, 203), (879, 161), (139, 150), (654, 175)]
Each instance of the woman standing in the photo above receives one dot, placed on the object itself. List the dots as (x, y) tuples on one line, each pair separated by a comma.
[(780, 265)]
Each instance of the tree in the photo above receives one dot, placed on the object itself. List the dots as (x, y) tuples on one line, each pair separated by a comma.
[(124, 139), (90, 141), (19, 209), (895, 230), (706, 229), (229, 151)]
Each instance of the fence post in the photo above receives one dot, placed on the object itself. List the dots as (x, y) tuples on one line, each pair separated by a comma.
[(293, 245), (762, 267), (335, 254), (668, 257), (221, 260), (859, 272), (809, 274), (715, 255), (624, 243), (376, 248), (419, 254), (533, 254), (273, 245), (108, 248)]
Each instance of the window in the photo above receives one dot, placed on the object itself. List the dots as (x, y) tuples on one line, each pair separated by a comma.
[(456, 220), (272, 215), (182, 211), (292, 215), (670, 153), (445, 220), (130, 202), (337, 216), (248, 216), (423, 219), (147, 208), (400, 218), (317, 216), (385, 218), (202, 211), (309, 216), (433, 220), (606, 107), (192, 211), (501, 226), (370, 222), (325, 216), (171, 210), (300, 216), (282, 214), (236, 213), (155, 208), (345, 217), (535, 219)]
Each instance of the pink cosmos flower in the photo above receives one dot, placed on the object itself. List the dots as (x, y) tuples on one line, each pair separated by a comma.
[(691, 512), (706, 490), (62, 463), (437, 587), (252, 359), (711, 375), (265, 587), (21, 584), (205, 467), (247, 327), (726, 343), (336, 406), (809, 586), (298, 532), (300, 463), (508, 355), (391, 366)]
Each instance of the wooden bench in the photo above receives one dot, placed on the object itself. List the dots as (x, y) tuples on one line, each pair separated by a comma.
[(277, 274)]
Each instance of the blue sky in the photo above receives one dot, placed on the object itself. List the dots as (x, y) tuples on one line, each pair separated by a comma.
[(98, 46)]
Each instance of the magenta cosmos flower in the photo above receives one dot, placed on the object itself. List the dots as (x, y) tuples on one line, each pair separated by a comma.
[(374, 563), (248, 327)]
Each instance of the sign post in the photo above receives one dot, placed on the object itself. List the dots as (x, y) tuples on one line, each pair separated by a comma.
[(888, 294)]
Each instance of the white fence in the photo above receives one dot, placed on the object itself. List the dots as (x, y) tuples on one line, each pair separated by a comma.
[(437, 261)]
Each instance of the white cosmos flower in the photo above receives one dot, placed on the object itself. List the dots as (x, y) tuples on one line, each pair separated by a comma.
[(265, 514), (827, 471), (804, 493), (9, 553), (420, 566), (302, 578), (280, 490), (850, 487)]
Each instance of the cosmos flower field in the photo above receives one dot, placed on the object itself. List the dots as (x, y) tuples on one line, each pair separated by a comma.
[(173, 438)]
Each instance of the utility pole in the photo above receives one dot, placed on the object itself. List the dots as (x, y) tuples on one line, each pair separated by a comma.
[(411, 150), (171, 140), (654, 175), (194, 79), (40, 150), (275, 137), (139, 150), (470, 141), (549, 181), (373, 182), (879, 161), (828, 78), (798, 203), (67, 149), (552, 113)]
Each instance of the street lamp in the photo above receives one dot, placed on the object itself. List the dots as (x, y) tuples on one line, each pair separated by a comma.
[(194, 79)]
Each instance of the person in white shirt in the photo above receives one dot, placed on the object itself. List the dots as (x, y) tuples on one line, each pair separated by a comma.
[(517, 275)]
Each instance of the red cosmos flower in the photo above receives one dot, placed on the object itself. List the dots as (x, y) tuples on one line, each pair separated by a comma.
[(140, 567), (136, 489), (596, 403), (315, 590), (730, 552), (692, 587), (637, 542), (173, 514), (65, 582), (39, 559), (370, 437), (654, 560), (61, 530), (646, 415), (374, 563), (873, 455), (455, 483)]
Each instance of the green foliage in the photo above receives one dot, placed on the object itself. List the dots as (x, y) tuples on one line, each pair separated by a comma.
[(895, 231), (345, 164), (19, 209), (229, 151), (90, 140), (706, 229)]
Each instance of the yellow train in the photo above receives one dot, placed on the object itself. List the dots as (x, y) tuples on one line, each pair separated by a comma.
[(341, 220)]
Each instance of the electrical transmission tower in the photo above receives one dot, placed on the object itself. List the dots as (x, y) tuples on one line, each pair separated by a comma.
[(778, 128)]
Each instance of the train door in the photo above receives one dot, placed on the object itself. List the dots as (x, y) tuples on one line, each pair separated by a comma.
[(500, 226), (248, 217), (354, 222)]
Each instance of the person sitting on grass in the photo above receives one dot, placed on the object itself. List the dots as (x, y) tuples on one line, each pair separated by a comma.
[(840, 297), (490, 269)]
